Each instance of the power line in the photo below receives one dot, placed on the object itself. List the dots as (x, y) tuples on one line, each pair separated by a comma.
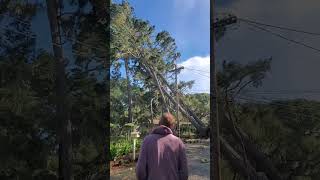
[(255, 24), (207, 92), (279, 91), (273, 103), (286, 90), (271, 25), (196, 70), (192, 71), (284, 96), (265, 100), (200, 74), (83, 53), (285, 38), (257, 99), (284, 105), (282, 92), (279, 27), (275, 92)]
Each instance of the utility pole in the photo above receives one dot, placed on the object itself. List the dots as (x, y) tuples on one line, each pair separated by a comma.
[(214, 91), (176, 70), (63, 119), (177, 98), (151, 110), (214, 101)]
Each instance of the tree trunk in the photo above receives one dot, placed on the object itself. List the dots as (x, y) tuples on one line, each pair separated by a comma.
[(129, 91), (269, 170), (262, 162), (191, 113), (231, 155), (64, 123), (246, 170), (184, 111), (160, 87)]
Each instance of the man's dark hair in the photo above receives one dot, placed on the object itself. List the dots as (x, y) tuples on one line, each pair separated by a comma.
[(167, 119)]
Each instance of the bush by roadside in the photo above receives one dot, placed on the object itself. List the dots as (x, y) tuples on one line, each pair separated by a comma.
[(122, 147)]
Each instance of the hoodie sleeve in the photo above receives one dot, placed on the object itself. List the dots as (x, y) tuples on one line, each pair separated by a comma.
[(141, 168), (183, 164)]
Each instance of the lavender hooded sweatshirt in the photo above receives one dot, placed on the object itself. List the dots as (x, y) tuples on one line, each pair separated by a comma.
[(162, 157)]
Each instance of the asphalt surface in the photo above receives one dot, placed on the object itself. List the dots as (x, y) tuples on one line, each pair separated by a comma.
[(198, 155)]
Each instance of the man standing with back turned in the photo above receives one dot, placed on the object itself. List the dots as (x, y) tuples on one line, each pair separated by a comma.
[(162, 155)]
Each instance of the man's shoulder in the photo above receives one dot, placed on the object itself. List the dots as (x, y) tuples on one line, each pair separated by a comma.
[(147, 137), (150, 137), (176, 138), (170, 136)]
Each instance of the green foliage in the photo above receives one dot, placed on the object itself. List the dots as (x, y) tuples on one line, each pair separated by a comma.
[(135, 39), (120, 147), (28, 125), (287, 132), (235, 76), (24, 126), (200, 105)]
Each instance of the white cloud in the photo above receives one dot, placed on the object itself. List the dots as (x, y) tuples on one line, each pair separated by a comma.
[(198, 69), (190, 23)]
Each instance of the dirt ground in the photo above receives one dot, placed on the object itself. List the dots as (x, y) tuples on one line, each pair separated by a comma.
[(198, 161)]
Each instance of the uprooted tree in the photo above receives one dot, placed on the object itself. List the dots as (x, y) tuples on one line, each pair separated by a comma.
[(152, 56)]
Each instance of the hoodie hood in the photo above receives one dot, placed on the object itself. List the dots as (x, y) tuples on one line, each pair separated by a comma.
[(162, 130)]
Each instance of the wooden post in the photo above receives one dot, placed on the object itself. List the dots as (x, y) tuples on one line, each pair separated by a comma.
[(215, 159), (134, 148), (64, 123), (135, 135), (177, 98)]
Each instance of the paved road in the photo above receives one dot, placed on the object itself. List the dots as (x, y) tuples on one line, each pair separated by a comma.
[(198, 161)]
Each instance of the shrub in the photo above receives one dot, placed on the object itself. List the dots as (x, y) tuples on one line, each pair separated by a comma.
[(120, 147)]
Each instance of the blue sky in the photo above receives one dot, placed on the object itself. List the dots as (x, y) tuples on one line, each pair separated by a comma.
[(188, 23), (186, 20)]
